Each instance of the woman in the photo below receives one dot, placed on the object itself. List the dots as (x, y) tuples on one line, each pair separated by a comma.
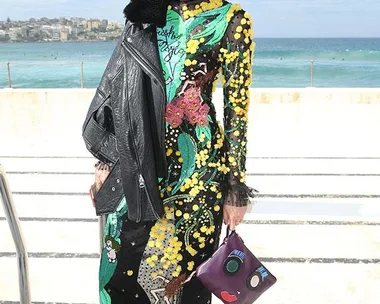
[(148, 262)]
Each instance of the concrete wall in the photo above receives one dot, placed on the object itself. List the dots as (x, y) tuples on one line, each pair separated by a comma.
[(283, 122), (299, 237)]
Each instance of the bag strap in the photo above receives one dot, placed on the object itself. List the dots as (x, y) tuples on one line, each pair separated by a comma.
[(229, 232)]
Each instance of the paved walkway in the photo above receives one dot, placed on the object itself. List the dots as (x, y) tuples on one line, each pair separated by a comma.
[(316, 226)]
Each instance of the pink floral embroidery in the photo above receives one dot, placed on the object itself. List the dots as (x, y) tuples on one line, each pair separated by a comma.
[(202, 120), (189, 107), (204, 109), (193, 118), (181, 102)]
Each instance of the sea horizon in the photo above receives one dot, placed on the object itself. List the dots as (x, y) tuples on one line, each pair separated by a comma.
[(279, 62)]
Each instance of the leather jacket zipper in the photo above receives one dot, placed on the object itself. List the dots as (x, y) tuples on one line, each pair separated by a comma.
[(146, 64), (155, 74), (142, 186)]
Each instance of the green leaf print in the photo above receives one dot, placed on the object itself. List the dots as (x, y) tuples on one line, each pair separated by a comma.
[(216, 28), (188, 151), (172, 46), (107, 270), (203, 130), (104, 297)]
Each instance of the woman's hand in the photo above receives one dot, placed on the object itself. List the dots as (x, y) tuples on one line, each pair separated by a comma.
[(101, 173), (233, 215)]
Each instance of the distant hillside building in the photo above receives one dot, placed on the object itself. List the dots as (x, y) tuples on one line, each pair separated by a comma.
[(64, 34), (113, 25), (14, 33), (104, 25), (93, 24), (56, 35)]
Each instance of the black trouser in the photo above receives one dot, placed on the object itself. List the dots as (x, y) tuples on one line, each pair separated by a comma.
[(123, 287)]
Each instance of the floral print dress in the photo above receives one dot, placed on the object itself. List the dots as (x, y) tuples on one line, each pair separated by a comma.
[(146, 263)]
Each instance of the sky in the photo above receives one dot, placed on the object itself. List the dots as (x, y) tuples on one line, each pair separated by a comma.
[(272, 18)]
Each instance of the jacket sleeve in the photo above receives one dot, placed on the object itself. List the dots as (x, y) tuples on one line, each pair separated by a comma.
[(98, 129), (236, 58)]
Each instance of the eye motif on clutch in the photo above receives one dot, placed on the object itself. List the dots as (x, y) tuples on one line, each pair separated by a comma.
[(234, 268)]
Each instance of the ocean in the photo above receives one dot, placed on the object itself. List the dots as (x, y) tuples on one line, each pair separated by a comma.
[(282, 63)]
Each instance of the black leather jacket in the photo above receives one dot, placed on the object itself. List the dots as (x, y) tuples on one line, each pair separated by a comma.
[(125, 125)]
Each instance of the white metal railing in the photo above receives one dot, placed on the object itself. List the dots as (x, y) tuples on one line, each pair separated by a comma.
[(10, 83), (14, 225)]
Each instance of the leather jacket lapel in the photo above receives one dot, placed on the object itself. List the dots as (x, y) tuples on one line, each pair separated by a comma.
[(142, 41)]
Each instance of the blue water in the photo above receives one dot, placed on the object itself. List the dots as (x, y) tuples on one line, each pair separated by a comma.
[(278, 63)]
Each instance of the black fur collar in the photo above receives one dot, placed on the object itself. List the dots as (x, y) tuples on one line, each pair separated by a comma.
[(147, 11)]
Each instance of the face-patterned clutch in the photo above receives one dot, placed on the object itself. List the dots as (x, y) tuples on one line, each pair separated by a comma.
[(234, 274)]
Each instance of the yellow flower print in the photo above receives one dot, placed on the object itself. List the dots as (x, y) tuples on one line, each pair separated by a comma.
[(130, 273), (191, 250), (235, 7), (210, 230), (213, 188), (192, 46), (217, 208), (202, 7), (223, 168), (195, 191), (190, 265), (175, 274)]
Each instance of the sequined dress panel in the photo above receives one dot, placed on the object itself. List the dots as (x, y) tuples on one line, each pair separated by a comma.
[(144, 263)]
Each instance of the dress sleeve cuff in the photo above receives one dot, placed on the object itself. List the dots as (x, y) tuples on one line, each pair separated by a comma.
[(238, 195)]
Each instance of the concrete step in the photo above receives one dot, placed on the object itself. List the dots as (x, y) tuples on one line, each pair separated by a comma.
[(256, 165), (267, 240), (346, 185), (52, 164), (71, 237), (75, 281), (55, 280), (53, 206), (301, 239), (80, 206)]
